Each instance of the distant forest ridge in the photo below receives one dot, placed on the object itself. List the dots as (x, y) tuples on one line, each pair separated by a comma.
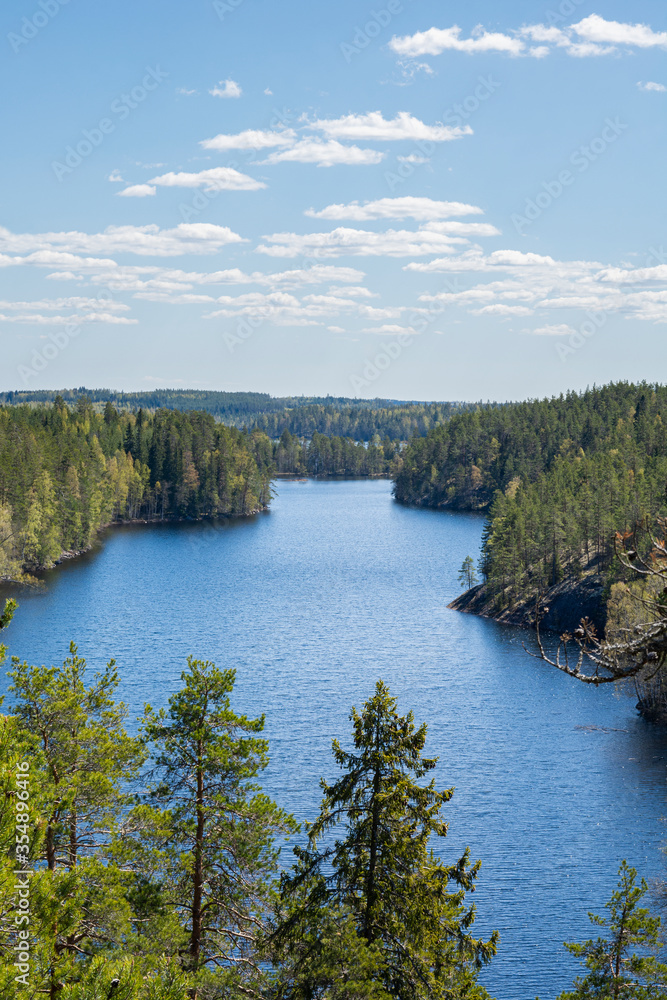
[(304, 416)]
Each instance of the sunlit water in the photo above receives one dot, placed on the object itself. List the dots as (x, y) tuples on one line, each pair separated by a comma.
[(337, 587)]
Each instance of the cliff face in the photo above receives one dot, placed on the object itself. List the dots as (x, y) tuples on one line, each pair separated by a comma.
[(568, 603)]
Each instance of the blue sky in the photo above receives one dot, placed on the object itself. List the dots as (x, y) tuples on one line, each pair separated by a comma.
[(408, 199)]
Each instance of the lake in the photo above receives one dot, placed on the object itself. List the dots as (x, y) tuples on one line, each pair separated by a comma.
[(337, 586)]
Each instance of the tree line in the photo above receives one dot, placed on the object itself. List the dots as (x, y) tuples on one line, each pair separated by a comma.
[(329, 456), (154, 860), (303, 416), (149, 867), (558, 478), (67, 472)]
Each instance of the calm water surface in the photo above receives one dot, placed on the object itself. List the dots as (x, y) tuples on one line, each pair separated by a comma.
[(311, 603)]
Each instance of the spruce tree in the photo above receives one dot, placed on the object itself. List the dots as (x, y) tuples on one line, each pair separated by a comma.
[(379, 893)]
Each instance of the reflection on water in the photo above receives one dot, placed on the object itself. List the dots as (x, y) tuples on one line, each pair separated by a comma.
[(337, 586)]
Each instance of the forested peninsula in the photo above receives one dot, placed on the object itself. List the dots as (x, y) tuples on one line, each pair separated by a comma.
[(66, 473), (558, 478)]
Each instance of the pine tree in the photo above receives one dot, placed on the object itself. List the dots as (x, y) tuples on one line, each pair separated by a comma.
[(467, 573), (81, 760), (379, 893), (616, 970), (209, 831)]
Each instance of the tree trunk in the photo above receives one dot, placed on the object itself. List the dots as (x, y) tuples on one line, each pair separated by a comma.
[(371, 889), (198, 873)]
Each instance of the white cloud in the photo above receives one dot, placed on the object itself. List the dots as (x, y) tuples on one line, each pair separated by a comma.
[(269, 93), (500, 260), (137, 191), (226, 88), (325, 154), (554, 330), (359, 242), (213, 179), (408, 207), (500, 309), (115, 177), (336, 329), (413, 158), (186, 238), (184, 299), (390, 330), (537, 282), (250, 139), (596, 29), (152, 278), (373, 126), (650, 85), (592, 36), (437, 40), (37, 319), (71, 302)]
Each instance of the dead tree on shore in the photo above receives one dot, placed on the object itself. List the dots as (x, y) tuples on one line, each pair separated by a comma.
[(637, 652)]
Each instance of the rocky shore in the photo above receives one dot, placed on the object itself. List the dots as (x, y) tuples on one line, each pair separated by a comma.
[(567, 604)]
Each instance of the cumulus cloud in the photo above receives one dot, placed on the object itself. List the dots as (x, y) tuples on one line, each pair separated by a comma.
[(391, 330), (226, 88), (325, 154), (592, 36), (595, 29), (373, 126), (213, 179), (70, 302), (437, 40), (651, 86), (501, 309), (413, 158), (552, 330), (408, 207), (250, 139), (186, 238), (535, 282), (75, 319), (137, 191), (360, 242), (115, 177)]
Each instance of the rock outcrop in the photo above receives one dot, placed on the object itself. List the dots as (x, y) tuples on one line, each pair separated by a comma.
[(567, 602)]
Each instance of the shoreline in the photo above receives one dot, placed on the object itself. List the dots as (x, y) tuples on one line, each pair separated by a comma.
[(562, 606), (33, 575)]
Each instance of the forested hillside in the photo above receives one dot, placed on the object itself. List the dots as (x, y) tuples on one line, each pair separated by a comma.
[(303, 416), (65, 473), (326, 456), (559, 477)]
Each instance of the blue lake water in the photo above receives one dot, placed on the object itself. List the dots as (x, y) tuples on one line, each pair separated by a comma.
[(313, 602)]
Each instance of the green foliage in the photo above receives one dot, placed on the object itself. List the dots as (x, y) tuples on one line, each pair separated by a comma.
[(468, 573), (304, 416), (623, 963), (64, 474), (379, 893), (326, 456), (175, 894), (211, 831), (558, 477), (81, 760)]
